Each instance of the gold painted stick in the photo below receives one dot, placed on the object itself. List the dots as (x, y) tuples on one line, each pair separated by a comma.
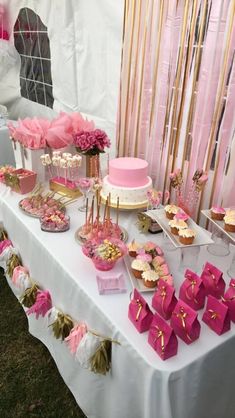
[(117, 210)]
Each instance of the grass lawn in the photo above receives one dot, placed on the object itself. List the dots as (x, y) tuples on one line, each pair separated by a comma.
[(30, 384)]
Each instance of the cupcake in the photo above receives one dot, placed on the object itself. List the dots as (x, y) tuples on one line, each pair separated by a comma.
[(176, 225), (217, 213), (133, 247), (171, 211), (186, 236), (138, 267), (229, 223), (230, 212), (150, 278)]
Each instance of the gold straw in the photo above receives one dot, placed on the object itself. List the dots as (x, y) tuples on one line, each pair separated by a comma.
[(117, 210)]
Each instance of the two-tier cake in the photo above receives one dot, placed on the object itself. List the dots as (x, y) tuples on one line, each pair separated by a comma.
[(127, 179)]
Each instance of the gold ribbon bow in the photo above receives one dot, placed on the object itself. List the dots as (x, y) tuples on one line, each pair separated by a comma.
[(140, 307), (163, 296), (214, 315), (160, 334), (183, 315), (232, 285), (213, 277), (192, 286)]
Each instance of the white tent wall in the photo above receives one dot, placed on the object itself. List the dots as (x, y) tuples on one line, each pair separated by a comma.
[(85, 42)]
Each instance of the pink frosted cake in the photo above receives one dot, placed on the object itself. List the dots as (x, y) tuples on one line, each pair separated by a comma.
[(127, 179)]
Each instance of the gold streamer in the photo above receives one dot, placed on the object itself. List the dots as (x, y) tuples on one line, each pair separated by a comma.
[(100, 362), (62, 326), (3, 234), (12, 262), (29, 296)]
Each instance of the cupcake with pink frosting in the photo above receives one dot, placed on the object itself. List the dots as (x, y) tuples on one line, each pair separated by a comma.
[(217, 213)]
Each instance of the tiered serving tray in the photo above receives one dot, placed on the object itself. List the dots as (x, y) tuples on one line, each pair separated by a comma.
[(201, 238)]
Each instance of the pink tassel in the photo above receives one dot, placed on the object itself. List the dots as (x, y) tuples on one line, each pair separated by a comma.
[(75, 336), (42, 305)]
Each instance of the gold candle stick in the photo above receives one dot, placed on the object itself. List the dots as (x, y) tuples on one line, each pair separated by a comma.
[(86, 210), (105, 210), (92, 212), (117, 210)]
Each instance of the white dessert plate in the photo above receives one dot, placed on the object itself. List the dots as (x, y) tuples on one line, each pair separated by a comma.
[(201, 238), (219, 224), (136, 283), (82, 240)]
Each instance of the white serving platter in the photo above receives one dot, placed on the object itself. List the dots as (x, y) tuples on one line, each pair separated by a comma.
[(201, 238), (219, 224), (136, 283)]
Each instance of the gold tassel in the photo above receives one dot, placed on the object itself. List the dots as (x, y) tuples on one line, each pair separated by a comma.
[(3, 234), (13, 262), (101, 361), (62, 326), (29, 296)]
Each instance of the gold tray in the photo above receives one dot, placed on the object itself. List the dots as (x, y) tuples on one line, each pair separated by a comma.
[(63, 190), (82, 241)]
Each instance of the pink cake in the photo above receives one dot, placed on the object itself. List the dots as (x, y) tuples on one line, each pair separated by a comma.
[(128, 180)]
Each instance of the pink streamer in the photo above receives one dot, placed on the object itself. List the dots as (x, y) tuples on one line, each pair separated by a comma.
[(42, 305), (75, 336), (4, 244)]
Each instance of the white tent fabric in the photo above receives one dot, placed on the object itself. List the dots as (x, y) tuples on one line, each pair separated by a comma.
[(85, 42)]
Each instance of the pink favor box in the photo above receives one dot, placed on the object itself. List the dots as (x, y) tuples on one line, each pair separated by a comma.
[(213, 280), (162, 338), (139, 312), (192, 290), (216, 316), (164, 299), (185, 323), (229, 299), (21, 180)]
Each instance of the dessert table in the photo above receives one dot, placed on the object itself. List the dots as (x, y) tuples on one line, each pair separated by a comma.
[(197, 383)]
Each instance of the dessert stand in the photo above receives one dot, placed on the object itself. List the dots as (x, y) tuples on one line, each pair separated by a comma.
[(218, 249), (189, 253)]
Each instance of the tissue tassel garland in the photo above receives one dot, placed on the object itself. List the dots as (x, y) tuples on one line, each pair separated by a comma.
[(12, 263), (62, 326), (28, 298), (42, 304), (3, 234), (100, 362)]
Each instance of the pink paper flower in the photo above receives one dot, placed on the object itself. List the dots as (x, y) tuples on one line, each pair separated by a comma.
[(91, 142)]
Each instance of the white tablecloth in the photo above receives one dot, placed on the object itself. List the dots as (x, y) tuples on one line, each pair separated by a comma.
[(197, 383), (6, 150)]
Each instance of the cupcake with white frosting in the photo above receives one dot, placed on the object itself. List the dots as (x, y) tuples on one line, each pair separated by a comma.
[(229, 223), (186, 236), (138, 267), (150, 278), (171, 211), (176, 225)]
